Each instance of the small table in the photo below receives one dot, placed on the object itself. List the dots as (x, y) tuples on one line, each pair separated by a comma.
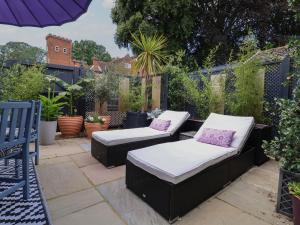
[(187, 135)]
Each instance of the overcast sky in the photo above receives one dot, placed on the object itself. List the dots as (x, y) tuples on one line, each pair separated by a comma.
[(95, 25)]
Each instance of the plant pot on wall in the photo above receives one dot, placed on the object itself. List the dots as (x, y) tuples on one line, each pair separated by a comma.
[(92, 127), (70, 126), (47, 132)]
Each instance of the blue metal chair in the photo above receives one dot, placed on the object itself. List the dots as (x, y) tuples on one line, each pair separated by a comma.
[(16, 121), (35, 134)]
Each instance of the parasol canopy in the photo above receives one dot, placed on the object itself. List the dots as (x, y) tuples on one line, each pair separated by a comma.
[(41, 13)]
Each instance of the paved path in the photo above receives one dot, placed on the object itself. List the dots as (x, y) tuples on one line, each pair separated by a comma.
[(80, 191)]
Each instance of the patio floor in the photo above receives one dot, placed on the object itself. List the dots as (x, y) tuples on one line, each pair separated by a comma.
[(81, 191)]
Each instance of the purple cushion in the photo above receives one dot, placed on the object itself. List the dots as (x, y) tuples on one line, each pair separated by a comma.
[(161, 125), (217, 137)]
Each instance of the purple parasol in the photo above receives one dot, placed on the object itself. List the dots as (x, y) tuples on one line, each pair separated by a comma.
[(41, 13)]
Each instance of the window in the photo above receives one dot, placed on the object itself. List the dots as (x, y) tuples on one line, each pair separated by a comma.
[(65, 50), (56, 48)]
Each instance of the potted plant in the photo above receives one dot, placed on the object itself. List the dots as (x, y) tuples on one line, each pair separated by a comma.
[(294, 189), (51, 110), (285, 147), (93, 123), (70, 124), (106, 87), (132, 103)]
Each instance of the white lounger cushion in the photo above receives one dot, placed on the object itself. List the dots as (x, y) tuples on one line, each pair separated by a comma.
[(177, 161), (177, 119), (241, 125), (116, 137)]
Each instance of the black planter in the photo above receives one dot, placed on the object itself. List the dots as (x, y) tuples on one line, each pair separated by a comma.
[(135, 120), (284, 200), (261, 133)]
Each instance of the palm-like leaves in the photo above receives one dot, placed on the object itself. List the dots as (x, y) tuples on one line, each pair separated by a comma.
[(72, 91), (152, 55), (51, 107)]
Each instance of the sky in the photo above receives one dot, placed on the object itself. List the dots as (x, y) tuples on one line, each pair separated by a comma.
[(94, 25)]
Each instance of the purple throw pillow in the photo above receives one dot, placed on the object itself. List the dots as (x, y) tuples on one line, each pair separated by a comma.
[(221, 138), (161, 125)]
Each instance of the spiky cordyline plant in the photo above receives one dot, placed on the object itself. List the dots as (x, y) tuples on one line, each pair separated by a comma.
[(151, 57)]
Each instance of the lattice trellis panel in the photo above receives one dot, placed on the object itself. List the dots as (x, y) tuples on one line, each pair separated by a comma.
[(273, 82), (284, 201), (116, 116)]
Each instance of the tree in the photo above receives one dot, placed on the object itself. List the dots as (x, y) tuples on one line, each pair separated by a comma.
[(198, 26), (21, 52), (22, 83), (295, 6), (85, 50), (151, 57)]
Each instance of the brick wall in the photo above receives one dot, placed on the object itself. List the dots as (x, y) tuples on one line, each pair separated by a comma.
[(59, 50)]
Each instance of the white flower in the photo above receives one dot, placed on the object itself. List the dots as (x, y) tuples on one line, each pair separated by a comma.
[(103, 120), (91, 119), (99, 117)]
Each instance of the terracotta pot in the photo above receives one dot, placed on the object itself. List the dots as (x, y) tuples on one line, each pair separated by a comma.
[(296, 210), (91, 127), (70, 126), (106, 123)]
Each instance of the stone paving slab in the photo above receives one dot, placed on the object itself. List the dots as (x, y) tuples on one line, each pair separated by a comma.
[(216, 212), (253, 200), (100, 214), (61, 179), (68, 204), (58, 151), (55, 160), (99, 174), (84, 159)]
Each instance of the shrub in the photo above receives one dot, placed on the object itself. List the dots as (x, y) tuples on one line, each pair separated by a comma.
[(247, 97), (106, 87), (22, 83), (133, 100), (285, 147)]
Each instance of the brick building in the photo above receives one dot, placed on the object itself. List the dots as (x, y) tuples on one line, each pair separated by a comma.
[(59, 50)]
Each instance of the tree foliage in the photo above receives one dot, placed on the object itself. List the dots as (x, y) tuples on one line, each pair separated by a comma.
[(21, 83), (198, 26), (21, 52), (85, 50)]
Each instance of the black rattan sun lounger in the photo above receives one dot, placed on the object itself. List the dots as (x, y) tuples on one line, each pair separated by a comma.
[(111, 147), (170, 189)]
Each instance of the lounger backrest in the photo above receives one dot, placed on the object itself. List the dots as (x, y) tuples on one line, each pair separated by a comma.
[(177, 119), (241, 125)]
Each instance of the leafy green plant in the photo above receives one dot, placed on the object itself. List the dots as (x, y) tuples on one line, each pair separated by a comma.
[(198, 89), (95, 118), (133, 100), (177, 71), (247, 97), (73, 92), (106, 87), (51, 107), (285, 147), (22, 83), (294, 189)]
